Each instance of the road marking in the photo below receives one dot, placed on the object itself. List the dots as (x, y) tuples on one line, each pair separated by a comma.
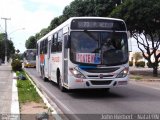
[(57, 101), (57, 117)]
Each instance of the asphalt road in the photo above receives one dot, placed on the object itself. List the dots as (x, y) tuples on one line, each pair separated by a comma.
[(131, 99)]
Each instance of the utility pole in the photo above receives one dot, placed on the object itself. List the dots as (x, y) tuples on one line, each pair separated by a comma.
[(5, 41)]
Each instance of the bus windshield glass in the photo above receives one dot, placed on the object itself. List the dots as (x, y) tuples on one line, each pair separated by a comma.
[(30, 55), (99, 47)]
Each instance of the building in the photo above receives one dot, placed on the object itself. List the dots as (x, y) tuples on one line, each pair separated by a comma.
[(131, 58)]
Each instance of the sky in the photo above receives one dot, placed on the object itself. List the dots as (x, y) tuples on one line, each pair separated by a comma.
[(28, 17)]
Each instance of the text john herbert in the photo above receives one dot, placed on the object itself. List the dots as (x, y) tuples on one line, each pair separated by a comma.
[(117, 117)]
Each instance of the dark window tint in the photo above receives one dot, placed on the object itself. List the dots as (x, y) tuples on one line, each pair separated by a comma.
[(57, 42)]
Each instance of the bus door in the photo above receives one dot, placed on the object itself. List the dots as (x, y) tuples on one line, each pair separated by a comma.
[(49, 60), (65, 59)]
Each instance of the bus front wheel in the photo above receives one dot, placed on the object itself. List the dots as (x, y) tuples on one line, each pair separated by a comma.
[(60, 82)]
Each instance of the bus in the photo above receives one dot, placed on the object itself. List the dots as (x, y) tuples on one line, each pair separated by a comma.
[(29, 59), (85, 53)]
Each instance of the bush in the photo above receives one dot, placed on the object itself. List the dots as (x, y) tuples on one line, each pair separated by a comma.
[(151, 65), (130, 63), (16, 65), (140, 64)]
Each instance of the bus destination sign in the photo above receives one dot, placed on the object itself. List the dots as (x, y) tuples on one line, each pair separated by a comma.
[(108, 25), (96, 24)]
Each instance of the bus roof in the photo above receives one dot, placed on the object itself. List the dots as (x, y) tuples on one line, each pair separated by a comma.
[(67, 22)]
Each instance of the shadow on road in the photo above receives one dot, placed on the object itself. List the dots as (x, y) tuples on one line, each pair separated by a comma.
[(93, 94), (90, 93)]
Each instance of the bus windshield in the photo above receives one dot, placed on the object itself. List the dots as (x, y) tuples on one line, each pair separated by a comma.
[(99, 47), (30, 55)]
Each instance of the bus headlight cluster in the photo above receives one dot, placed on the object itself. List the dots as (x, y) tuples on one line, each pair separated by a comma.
[(76, 73), (123, 73)]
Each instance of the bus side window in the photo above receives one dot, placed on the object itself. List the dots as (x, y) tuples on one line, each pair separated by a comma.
[(59, 42), (54, 42), (45, 45), (41, 47), (59, 46)]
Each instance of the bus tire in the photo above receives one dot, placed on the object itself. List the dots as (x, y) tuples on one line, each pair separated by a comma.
[(60, 82), (106, 90)]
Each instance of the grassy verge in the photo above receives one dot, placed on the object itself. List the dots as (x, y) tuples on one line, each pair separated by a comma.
[(136, 77), (26, 91)]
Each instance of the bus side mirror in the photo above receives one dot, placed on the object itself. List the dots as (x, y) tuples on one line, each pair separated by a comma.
[(68, 41)]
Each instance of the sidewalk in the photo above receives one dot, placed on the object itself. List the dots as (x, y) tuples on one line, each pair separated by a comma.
[(5, 88)]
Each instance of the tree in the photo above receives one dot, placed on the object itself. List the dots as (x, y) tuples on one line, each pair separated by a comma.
[(17, 51), (37, 36), (56, 21), (31, 43), (100, 8), (75, 9), (137, 56), (10, 47), (143, 22)]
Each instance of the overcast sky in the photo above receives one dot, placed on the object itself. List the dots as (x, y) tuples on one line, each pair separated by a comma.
[(33, 15)]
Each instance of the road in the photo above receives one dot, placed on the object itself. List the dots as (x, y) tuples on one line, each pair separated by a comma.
[(131, 99)]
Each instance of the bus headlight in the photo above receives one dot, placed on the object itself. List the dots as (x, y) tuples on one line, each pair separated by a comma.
[(76, 73), (123, 73)]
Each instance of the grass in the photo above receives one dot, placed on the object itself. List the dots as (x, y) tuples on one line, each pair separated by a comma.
[(26, 91), (136, 77)]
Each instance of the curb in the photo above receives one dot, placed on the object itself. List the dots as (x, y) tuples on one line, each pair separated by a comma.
[(56, 116), (144, 80), (15, 102)]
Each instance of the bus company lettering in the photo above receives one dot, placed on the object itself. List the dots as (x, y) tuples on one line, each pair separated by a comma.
[(55, 59), (86, 57)]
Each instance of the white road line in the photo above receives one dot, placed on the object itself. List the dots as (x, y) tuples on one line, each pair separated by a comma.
[(15, 102), (57, 117), (59, 102)]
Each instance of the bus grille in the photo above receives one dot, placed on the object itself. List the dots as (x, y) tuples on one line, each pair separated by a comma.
[(100, 70), (97, 76), (101, 82)]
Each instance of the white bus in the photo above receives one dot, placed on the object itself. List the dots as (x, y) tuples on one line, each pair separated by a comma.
[(29, 59), (84, 53)]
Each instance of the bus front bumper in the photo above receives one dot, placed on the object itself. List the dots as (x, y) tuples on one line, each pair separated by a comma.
[(78, 83)]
